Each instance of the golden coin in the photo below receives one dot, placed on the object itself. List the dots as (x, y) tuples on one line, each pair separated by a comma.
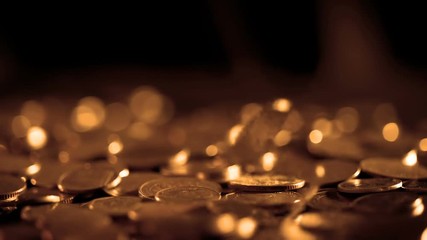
[(151, 188), (159, 210), (115, 206), (369, 185), (32, 213), (11, 187), (187, 194), (393, 168), (388, 203), (43, 195), (334, 171), (415, 185), (266, 183), (329, 199), (18, 165), (130, 184), (50, 172), (284, 199)]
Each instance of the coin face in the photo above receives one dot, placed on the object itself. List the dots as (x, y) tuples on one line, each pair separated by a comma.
[(160, 210), (11, 187), (388, 203), (129, 185), (393, 168), (18, 165), (85, 180), (335, 171), (115, 206), (266, 183), (50, 172), (187, 194), (329, 199), (267, 199), (415, 185), (150, 188), (369, 185)]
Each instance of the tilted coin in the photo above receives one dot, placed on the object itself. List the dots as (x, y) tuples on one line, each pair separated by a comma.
[(43, 195), (50, 172), (215, 170), (32, 213), (85, 180), (284, 199), (187, 194), (393, 168), (369, 185), (115, 206), (415, 186), (266, 183), (329, 199), (11, 187), (334, 171), (18, 164), (150, 188), (160, 210), (388, 203), (130, 184)]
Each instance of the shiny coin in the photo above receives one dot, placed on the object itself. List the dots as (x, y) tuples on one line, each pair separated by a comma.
[(388, 203), (266, 183), (329, 199), (115, 206), (393, 168), (156, 210), (18, 165), (85, 180), (129, 185), (215, 170), (11, 187), (415, 186), (334, 171), (369, 185), (50, 172), (187, 194), (43, 195), (285, 199), (336, 221), (151, 188)]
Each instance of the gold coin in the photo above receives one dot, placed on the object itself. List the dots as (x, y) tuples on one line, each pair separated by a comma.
[(11, 187), (18, 165), (32, 213), (187, 194), (115, 206), (151, 188), (393, 168), (415, 185), (266, 183), (50, 172), (284, 199), (329, 199), (335, 171), (159, 210), (129, 185), (369, 185), (43, 195), (388, 203)]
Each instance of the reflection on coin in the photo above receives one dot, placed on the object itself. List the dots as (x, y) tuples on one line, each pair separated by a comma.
[(335, 221), (369, 185), (329, 199), (87, 179), (284, 199), (43, 195), (334, 171), (393, 168), (215, 170), (11, 187), (266, 183), (388, 203), (50, 172), (130, 184), (150, 188), (115, 206), (187, 194), (415, 185), (156, 210), (18, 164)]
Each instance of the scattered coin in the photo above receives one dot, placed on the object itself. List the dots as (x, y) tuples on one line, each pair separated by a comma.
[(334, 171), (115, 206), (369, 185), (388, 203), (266, 183), (11, 187), (329, 199), (50, 172), (160, 210), (129, 185), (415, 185), (282, 199), (393, 168), (36, 195), (18, 165), (32, 213), (187, 194)]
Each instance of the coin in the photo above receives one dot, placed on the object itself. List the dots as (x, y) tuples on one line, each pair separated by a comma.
[(329, 199), (150, 188), (415, 185), (84, 180), (18, 165), (215, 170), (284, 199), (369, 185), (266, 183), (146, 159), (50, 172), (388, 203), (115, 206), (43, 195), (11, 187), (130, 184), (393, 168), (334, 171), (187, 194), (32, 213), (156, 210)]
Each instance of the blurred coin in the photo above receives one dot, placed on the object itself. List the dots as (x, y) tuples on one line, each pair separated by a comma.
[(11, 187), (388, 203), (282, 199), (210, 170), (50, 172), (32, 213), (18, 164), (187, 194), (19, 231), (85, 180), (369, 185), (415, 185), (43, 195), (329, 199), (266, 183), (129, 185), (160, 210), (115, 206), (146, 159), (150, 188), (225, 206), (393, 168), (334, 171), (343, 147)]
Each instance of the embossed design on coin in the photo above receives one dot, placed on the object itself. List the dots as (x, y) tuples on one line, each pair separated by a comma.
[(393, 168), (11, 187), (187, 194), (266, 183), (115, 206), (369, 185)]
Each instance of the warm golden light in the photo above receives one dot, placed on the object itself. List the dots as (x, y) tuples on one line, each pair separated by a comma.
[(282, 105), (233, 172), (225, 223), (323, 125), (234, 133), (115, 147), (315, 136), (410, 158), (139, 131), (36, 137), (282, 138), (423, 145), (88, 115), (20, 126), (391, 132), (118, 117), (246, 227), (147, 104), (64, 156), (418, 206), (211, 150), (294, 121), (249, 112), (124, 173), (268, 161), (34, 112), (180, 159), (347, 119), (424, 235), (320, 171)]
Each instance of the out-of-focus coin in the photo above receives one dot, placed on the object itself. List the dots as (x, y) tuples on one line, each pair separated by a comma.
[(329, 199), (266, 183), (415, 185), (130, 184), (187, 194), (369, 185), (11, 187), (32, 213), (334, 171), (43, 195), (215, 170), (225, 206), (344, 147), (50, 172), (115, 206), (18, 165), (388, 203), (150, 188), (84, 180), (159, 210), (282, 199), (393, 168), (146, 159)]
